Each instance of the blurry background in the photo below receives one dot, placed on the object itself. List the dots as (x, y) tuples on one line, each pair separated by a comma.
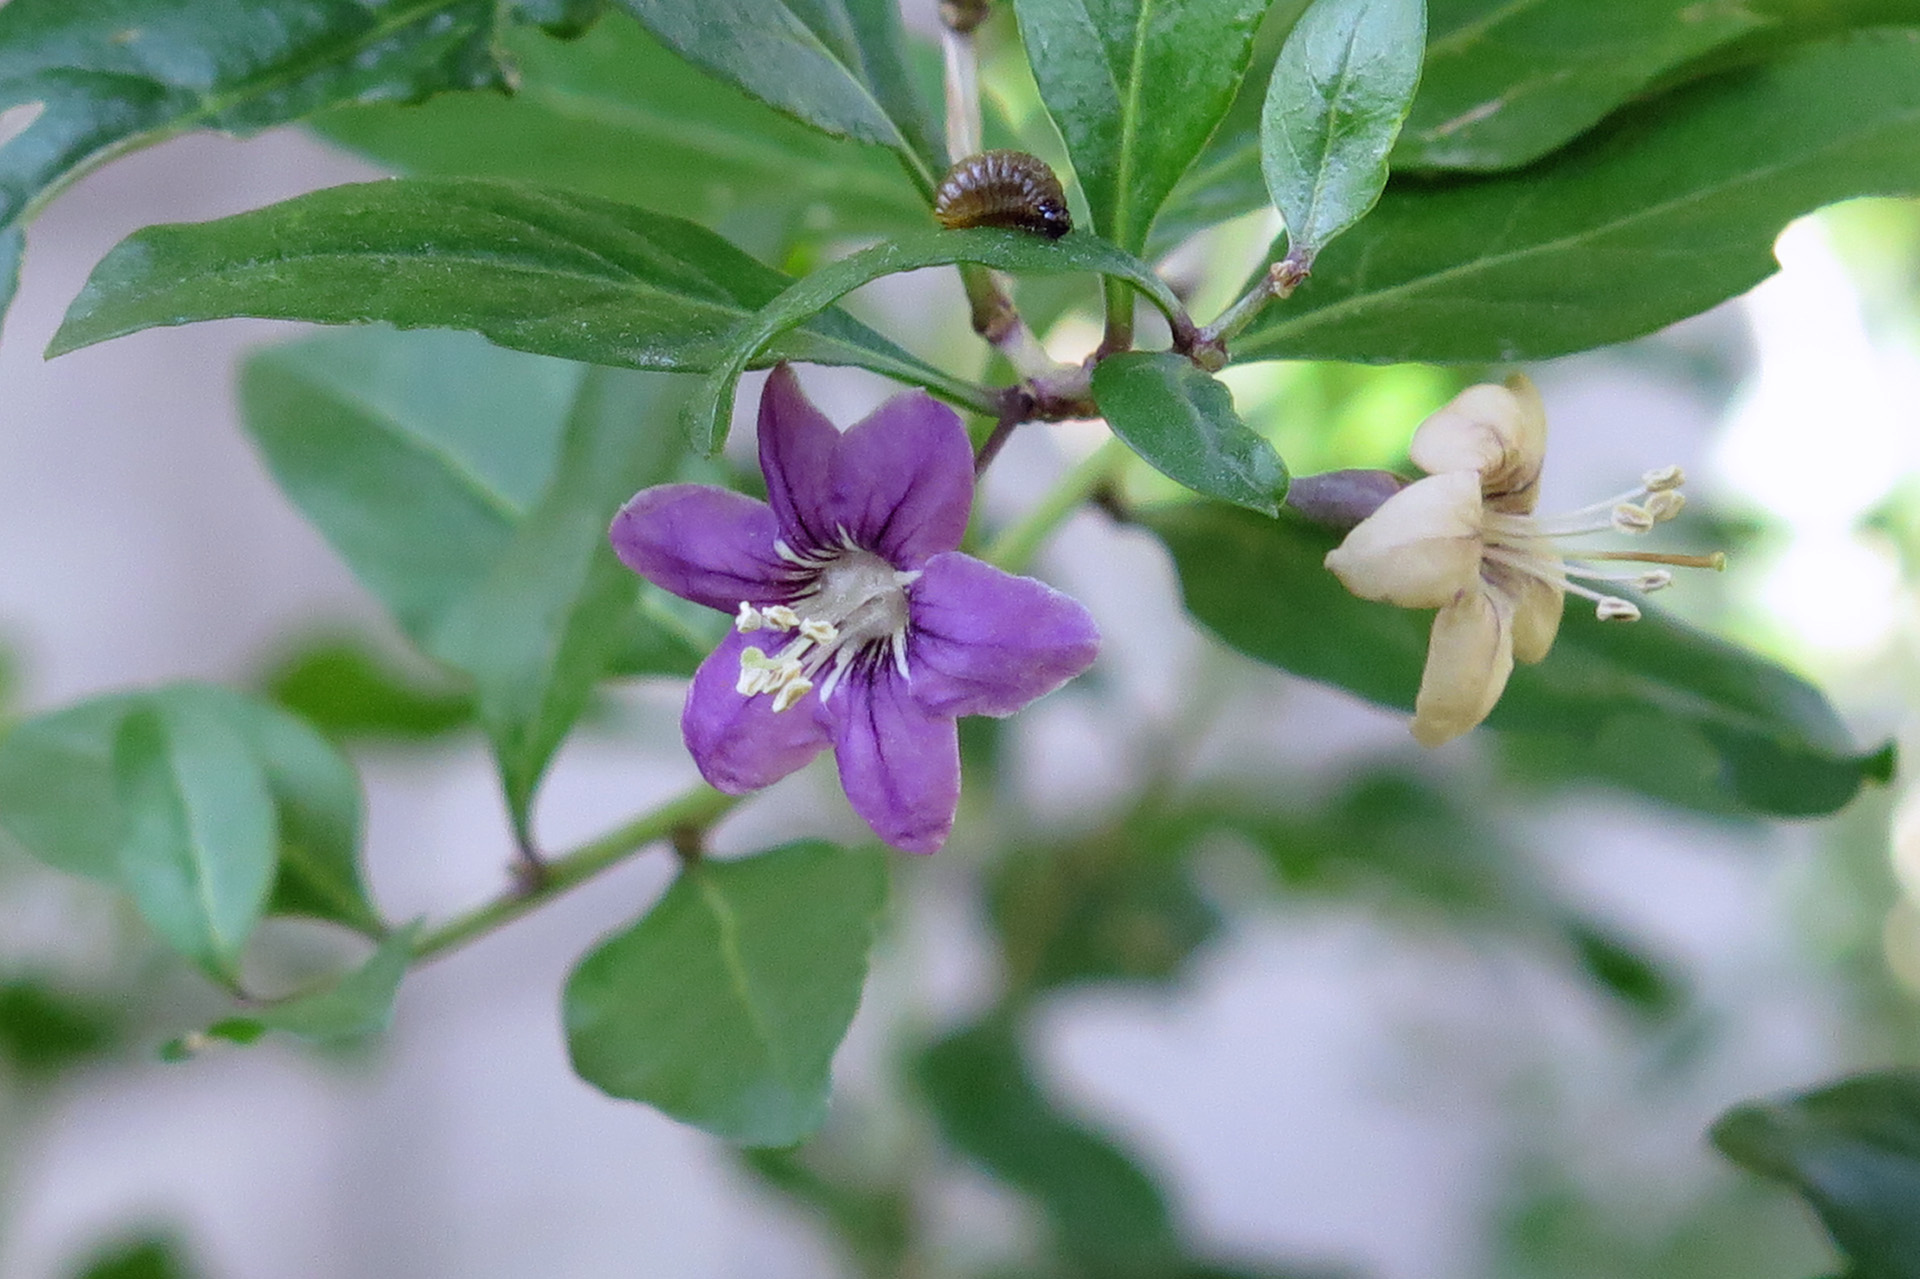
[(1344, 1061)]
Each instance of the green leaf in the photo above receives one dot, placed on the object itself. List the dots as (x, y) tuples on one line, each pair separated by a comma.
[(148, 1256), (839, 65), (541, 271), (104, 76), (346, 689), (722, 1006), (355, 1005), (1136, 86), (197, 850), (1654, 705), (1181, 420), (1673, 210), (1105, 1212), (547, 621), (59, 799), (1853, 1150), (1340, 91), (711, 410), (1507, 83), (45, 1031), (617, 114)]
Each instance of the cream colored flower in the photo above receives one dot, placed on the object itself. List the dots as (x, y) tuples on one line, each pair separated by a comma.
[(1465, 541)]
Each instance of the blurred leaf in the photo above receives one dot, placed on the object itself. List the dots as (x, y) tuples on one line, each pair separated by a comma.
[(538, 270), (1655, 705), (1136, 87), (619, 115), (567, 19), (197, 851), (1853, 1150), (346, 690), (1339, 93), (544, 625), (875, 1223), (1507, 83), (839, 65), (354, 1005), (1625, 972), (658, 640), (159, 1256), (59, 800), (1106, 1214), (723, 1005), (1105, 908), (45, 1031), (1182, 421), (102, 77), (711, 411), (1668, 211)]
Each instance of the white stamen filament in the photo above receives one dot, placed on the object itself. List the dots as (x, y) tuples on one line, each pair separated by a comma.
[(850, 601)]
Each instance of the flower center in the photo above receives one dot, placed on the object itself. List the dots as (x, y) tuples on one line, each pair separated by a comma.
[(1535, 546), (851, 604)]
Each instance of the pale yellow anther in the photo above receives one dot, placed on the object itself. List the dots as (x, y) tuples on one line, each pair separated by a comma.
[(754, 669), (1664, 479), (1614, 609), (748, 619), (790, 692), (1664, 504), (782, 618), (1658, 580), (819, 632), (1628, 518)]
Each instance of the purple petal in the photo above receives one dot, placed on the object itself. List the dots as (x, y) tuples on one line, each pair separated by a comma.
[(903, 480), (741, 743), (899, 763), (984, 642), (797, 444), (703, 544)]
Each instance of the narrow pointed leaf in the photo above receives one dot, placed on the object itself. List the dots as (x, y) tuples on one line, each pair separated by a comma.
[(1182, 421), (544, 625), (354, 1005), (196, 851), (1340, 91), (711, 410), (723, 1004), (542, 271), (1668, 211), (839, 65), (617, 114), (102, 76), (1136, 87), (1653, 705), (1853, 1150)]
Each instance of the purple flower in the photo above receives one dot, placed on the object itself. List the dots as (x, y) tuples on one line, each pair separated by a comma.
[(857, 625)]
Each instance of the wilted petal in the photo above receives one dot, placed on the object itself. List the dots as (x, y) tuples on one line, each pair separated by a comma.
[(704, 544), (1536, 605), (1420, 549), (797, 444), (984, 642), (741, 743), (1499, 432), (899, 763), (903, 480), (1469, 657)]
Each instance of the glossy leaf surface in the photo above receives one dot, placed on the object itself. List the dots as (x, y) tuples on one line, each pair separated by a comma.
[(1340, 90), (1653, 705), (723, 1004), (1136, 87), (1673, 210), (542, 271), (1182, 421)]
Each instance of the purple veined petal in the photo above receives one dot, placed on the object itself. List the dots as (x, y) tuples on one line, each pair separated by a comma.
[(741, 743), (704, 544), (797, 444), (903, 480), (899, 763), (984, 642)]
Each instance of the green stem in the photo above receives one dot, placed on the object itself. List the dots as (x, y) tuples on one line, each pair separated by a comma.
[(698, 808), (1120, 304), (1018, 543)]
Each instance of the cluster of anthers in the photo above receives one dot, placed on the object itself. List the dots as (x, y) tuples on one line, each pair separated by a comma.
[(857, 610)]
